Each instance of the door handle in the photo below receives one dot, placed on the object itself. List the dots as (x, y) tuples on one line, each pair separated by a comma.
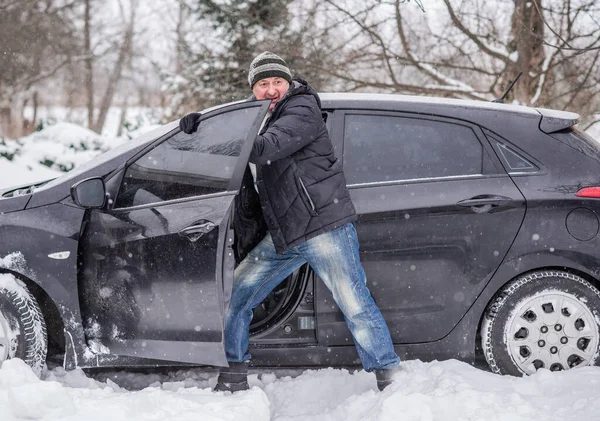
[(194, 232), (484, 203)]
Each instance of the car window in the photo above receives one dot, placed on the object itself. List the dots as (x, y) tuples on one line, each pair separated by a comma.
[(514, 161), (379, 148), (187, 165)]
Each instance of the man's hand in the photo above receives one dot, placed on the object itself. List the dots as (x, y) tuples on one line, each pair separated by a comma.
[(189, 123)]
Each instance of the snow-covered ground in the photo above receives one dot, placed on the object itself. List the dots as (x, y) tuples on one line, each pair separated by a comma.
[(436, 391)]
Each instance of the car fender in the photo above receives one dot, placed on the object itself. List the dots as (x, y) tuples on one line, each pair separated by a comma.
[(40, 246)]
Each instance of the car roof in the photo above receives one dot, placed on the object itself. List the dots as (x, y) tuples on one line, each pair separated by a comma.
[(341, 99), (473, 110)]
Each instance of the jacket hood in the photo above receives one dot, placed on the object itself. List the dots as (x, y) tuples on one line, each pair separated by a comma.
[(302, 87)]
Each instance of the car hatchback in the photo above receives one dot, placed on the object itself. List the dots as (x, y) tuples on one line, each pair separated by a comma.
[(478, 224)]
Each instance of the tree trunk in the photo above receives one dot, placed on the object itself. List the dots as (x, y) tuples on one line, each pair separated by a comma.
[(5, 121), (180, 37), (29, 125), (35, 110), (124, 53), (528, 41), (125, 102), (89, 75), (123, 117), (11, 121)]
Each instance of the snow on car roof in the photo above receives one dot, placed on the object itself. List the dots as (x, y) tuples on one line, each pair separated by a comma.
[(339, 96)]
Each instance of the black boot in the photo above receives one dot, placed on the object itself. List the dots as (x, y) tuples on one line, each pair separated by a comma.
[(233, 378), (385, 377)]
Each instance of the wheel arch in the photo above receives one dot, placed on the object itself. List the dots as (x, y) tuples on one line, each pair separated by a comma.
[(513, 268), (55, 325), (584, 297), (573, 269), (583, 274)]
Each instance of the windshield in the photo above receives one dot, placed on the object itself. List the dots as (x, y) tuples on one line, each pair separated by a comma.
[(113, 153)]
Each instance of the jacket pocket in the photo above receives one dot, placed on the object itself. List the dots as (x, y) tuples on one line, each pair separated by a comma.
[(306, 198)]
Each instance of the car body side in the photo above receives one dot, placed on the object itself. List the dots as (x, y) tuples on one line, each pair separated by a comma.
[(51, 223)]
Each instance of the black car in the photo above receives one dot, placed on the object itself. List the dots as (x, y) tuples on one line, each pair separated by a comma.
[(478, 225)]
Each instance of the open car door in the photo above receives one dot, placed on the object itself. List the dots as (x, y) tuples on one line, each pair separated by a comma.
[(157, 266)]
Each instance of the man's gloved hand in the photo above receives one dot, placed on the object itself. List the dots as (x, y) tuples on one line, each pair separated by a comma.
[(189, 123)]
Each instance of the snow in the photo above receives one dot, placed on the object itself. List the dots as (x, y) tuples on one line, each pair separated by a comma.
[(13, 174), (136, 117), (435, 391), (10, 283), (64, 146), (14, 261), (429, 100)]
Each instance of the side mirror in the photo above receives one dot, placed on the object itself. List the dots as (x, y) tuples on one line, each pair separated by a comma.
[(89, 193)]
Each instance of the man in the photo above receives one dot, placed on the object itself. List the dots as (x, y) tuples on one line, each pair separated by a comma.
[(309, 217)]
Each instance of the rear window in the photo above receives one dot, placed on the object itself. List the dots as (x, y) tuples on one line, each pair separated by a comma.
[(579, 141)]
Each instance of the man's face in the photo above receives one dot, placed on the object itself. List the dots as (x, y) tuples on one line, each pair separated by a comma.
[(273, 88)]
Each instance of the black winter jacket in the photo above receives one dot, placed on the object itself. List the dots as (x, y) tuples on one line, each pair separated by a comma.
[(301, 185)]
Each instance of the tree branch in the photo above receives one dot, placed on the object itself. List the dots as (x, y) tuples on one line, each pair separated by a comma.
[(584, 81), (374, 35), (537, 8), (27, 83), (439, 90), (474, 37), (592, 123), (426, 69)]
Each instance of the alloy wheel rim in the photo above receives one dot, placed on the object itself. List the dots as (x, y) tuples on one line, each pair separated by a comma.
[(552, 330), (4, 338)]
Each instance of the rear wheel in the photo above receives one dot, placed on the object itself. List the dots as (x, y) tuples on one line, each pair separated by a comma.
[(545, 319), (22, 326)]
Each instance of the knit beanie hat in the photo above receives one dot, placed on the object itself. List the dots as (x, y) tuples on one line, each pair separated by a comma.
[(267, 65)]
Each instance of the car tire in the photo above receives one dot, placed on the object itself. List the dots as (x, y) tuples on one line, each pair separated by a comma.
[(544, 319), (22, 328)]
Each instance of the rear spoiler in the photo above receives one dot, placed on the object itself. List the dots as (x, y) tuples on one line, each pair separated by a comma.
[(555, 120)]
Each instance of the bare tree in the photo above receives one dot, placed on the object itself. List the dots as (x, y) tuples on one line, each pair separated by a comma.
[(37, 39), (469, 49)]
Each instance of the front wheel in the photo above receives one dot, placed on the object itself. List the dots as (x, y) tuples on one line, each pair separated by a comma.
[(22, 325), (544, 319)]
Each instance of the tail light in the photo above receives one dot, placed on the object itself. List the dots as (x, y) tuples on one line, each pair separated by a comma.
[(589, 192)]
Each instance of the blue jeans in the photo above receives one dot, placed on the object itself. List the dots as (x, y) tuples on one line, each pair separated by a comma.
[(334, 257)]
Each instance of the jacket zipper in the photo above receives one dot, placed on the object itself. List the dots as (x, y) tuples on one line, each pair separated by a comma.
[(312, 205)]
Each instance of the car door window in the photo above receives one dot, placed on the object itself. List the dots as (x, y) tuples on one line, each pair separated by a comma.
[(177, 168), (387, 148)]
